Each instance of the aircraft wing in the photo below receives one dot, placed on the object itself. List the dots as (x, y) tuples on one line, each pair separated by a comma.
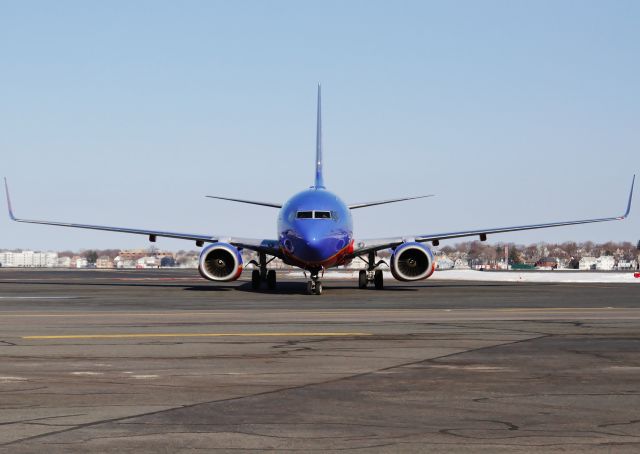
[(365, 246), (261, 245)]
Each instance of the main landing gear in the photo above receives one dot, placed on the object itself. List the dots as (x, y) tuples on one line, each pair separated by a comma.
[(371, 274), (375, 276), (262, 274), (256, 279)]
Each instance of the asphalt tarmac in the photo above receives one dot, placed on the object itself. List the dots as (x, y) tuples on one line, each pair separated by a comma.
[(162, 361)]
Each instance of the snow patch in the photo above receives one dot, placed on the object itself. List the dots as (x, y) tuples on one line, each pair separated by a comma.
[(501, 276), (551, 276)]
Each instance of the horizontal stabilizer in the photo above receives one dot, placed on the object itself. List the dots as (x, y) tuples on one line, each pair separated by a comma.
[(382, 202), (251, 202)]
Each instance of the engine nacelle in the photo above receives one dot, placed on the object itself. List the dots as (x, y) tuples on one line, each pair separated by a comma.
[(220, 262), (412, 262)]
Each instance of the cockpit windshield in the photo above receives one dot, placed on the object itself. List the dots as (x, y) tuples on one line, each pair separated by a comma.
[(313, 215)]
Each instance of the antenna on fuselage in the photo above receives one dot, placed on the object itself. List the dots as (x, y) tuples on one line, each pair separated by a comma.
[(319, 184)]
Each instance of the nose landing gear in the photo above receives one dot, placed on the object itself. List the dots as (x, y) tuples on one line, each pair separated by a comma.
[(314, 286)]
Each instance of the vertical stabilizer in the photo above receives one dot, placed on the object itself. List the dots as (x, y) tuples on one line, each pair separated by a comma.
[(319, 184)]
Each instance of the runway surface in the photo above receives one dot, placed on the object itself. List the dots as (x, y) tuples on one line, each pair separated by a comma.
[(161, 361)]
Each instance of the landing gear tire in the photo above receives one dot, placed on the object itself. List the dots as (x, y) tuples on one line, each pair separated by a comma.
[(255, 279), (378, 280), (271, 279), (314, 287), (362, 279)]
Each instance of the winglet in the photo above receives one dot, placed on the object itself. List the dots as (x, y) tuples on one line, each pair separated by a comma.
[(319, 183), (630, 197), (6, 190)]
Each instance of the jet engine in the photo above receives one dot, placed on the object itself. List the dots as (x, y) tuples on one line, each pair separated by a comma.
[(220, 262), (412, 262)]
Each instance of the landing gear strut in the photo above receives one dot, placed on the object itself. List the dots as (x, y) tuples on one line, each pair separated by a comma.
[(371, 274)]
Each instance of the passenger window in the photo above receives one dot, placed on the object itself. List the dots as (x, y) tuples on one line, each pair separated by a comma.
[(304, 214), (322, 214)]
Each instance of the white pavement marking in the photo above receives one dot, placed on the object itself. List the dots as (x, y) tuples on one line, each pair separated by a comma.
[(144, 335), (8, 379), (38, 297)]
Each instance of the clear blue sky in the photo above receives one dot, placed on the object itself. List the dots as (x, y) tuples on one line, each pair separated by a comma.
[(128, 113)]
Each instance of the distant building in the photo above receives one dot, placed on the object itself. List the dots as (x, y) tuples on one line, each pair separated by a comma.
[(78, 262), (547, 262), (627, 265), (460, 264), (587, 263), (28, 259), (104, 261), (605, 263), (119, 262), (148, 262), (167, 261), (64, 262), (6, 258), (443, 262), (132, 254)]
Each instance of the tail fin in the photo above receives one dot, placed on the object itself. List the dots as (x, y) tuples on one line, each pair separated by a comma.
[(319, 184)]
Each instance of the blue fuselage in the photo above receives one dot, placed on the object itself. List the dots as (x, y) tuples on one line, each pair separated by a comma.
[(323, 237)]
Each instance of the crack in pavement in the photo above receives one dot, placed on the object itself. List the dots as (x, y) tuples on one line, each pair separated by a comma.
[(268, 392), (25, 421)]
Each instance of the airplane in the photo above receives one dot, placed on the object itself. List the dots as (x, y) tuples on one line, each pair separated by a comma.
[(315, 233)]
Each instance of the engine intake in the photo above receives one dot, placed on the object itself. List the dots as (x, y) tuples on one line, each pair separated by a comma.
[(412, 262), (220, 262)]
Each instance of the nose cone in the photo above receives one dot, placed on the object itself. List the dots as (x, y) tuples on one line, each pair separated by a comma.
[(316, 249), (316, 243)]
